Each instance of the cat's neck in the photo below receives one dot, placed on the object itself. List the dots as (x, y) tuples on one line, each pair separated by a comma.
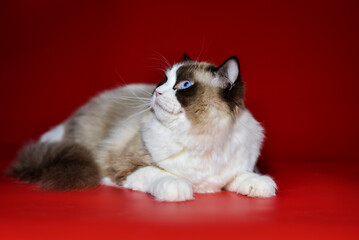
[(203, 139)]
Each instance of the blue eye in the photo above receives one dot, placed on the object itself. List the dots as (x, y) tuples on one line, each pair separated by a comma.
[(185, 84)]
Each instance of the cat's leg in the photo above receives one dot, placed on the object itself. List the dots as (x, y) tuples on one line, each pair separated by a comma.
[(252, 185), (162, 185)]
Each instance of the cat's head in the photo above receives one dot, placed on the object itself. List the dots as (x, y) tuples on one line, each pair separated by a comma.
[(200, 93)]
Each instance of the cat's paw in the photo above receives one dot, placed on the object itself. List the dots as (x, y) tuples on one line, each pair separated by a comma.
[(171, 189), (253, 185)]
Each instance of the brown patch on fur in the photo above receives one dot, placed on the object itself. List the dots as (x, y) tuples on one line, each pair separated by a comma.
[(57, 166), (132, 158), (93, 122), (90, 124), (204, 99), (234, 97)]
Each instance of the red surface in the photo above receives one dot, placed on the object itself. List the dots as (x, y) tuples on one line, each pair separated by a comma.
[(298, 58)]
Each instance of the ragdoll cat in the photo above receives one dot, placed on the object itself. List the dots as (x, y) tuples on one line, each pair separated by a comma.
[(190, 134)]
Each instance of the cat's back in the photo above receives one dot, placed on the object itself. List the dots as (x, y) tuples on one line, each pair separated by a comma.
[(94, 121)]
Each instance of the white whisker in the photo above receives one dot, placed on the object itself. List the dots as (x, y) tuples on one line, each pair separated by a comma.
[(199, 55), (123, 81), (145, 91), (120, 77), (163, 58), (132, 98), (160, 63), (131, 103), (138, 113), (159, 68)]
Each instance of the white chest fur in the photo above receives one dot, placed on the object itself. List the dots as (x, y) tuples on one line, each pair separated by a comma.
[(182, 154)]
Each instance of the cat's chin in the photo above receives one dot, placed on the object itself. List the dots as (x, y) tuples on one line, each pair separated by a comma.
[(159, 109)]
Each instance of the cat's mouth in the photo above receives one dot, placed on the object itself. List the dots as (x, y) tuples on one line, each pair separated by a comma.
[(157, 105)]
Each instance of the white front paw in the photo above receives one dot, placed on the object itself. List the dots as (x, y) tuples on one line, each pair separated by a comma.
[(134, 182), (171, 189), (254, 185)]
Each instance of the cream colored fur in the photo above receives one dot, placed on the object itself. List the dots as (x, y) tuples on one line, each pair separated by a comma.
[(182, 160)]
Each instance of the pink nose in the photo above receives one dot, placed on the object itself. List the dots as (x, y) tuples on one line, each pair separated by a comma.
[(158, 93)]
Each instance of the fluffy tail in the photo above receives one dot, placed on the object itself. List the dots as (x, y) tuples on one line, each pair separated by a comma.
[(57, 166)]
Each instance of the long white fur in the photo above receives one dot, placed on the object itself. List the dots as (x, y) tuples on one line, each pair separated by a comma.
[(161, 184), (117, 140), (188, 163), (108, 182), (53, 135), (208, 164)]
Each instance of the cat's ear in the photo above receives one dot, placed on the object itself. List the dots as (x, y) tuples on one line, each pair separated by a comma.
[(186, 58), (229, 71)]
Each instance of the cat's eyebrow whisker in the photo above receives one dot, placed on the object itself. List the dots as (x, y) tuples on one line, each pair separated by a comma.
[(160, 61), (162, 69), (203, 40), (162, 58), (159, 65)]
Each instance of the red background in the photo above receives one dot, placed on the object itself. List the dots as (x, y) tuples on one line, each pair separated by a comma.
[(299, 60)]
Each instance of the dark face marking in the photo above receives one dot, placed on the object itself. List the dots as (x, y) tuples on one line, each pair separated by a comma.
[(206, 98), (185, 72), (233, 93), (188, 95), (233, 96)]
